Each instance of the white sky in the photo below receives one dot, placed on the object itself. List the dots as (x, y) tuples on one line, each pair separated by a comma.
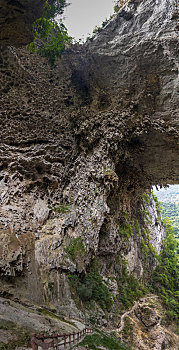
[(82, 16)]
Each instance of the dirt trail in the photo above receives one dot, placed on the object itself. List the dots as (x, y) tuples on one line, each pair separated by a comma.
[(145, 300), (124, 315)]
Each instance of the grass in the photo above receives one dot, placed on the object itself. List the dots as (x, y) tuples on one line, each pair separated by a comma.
[(95, 341), (76, 249), (62, 208), (52, 315)]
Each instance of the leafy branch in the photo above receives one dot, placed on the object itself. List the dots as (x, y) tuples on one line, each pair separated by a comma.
[(50, 37)]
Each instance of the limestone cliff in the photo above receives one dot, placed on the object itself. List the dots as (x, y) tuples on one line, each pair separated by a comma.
[(80, 145), (16, 20)]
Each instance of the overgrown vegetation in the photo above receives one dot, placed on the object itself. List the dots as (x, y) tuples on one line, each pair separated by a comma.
[(127, 331), (95, 341), (76, 249), (50, 36), (165, 280), (90, 287), (51, 314), (157, 204), (146, 198), (171, 210), (126, 227), (169, 200), (19, 335), (129, 288), (62, 208)]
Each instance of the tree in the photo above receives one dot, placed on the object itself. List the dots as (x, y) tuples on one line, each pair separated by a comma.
[(50, 36), (166, 275)]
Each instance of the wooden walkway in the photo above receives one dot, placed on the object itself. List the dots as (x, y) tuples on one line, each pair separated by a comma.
[(58, 342)]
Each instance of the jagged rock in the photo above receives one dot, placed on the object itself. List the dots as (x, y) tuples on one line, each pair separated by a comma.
[(143, 327), (148, 316), (17, 18), (80, 143)]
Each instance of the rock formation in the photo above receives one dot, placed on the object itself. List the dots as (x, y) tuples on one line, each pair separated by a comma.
[(143, 326), (80, 144), (17, 18)]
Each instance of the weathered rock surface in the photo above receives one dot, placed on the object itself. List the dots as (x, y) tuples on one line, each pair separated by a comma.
[(80, 143), (16, 20), (145, 329), (19, 319)]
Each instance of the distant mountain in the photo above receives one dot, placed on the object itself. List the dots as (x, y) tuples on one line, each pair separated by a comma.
[(169, 199), (170, 194)]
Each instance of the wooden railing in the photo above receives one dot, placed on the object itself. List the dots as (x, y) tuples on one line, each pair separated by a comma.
[(57, 341)]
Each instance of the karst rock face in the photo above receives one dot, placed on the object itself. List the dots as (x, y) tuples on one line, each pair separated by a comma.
[(80, 144), (16, 20)]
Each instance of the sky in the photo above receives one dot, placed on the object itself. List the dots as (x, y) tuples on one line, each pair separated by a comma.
[(82, 16)]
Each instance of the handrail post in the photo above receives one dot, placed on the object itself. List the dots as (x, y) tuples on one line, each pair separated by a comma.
[(64, 339), (56, 342), (32, 343)]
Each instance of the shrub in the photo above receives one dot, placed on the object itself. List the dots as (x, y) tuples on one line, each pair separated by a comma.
[(90, 287), (129, 288), (76, 249), (50, 37), (157, 204), (166, 276), (95, 342), (146, 198), (62, 208)]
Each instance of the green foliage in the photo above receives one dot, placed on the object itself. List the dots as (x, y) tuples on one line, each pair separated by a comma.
[(169, 198), (62, 208), (171, 210), (146, 215), (51, 314), (146, 245), (125, 226), (50, 37), (146, 202), (129, 288), (137, 227), (146, 198), (128, 329), (90, 287), (95, 341), (76, 249), (157, 204), (166, 276), (144, 248), (116, 8)]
